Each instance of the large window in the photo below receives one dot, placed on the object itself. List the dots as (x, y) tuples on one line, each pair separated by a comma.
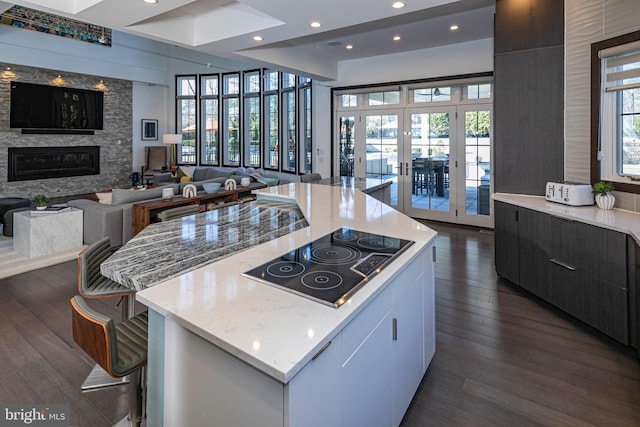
[(271, 119), (251, 128), (231, 119), (210, 116), (186, 97), (289, 134), (615, 115), (257, 118)]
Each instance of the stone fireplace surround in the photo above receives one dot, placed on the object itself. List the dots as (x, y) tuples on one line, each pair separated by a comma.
[(114, 141)]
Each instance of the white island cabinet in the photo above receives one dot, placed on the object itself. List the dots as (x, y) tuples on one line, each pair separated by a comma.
[(229, 351)]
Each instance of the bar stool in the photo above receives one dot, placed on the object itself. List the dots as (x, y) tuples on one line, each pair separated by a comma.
[(92, 284), (120, 349), (179, 212)]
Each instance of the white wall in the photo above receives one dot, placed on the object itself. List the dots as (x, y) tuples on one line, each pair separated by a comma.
[(462, 58), (587, 22), (150, 102)]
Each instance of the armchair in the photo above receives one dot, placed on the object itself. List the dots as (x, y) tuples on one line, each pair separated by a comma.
[(155, 161)]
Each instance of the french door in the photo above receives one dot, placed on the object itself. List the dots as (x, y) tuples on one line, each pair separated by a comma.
[(438, 158)]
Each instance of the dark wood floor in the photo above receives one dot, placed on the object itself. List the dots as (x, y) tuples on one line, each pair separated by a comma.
[(503, 357)]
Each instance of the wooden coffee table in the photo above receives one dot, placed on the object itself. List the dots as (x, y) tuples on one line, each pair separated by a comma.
[(144, 213)]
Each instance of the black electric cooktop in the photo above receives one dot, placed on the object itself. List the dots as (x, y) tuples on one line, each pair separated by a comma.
[(332, 268)]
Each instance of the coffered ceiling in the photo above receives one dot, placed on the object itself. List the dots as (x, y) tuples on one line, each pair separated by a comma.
[(226, 28)]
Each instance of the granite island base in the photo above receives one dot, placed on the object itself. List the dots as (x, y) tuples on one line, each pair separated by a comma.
[(228, 350)]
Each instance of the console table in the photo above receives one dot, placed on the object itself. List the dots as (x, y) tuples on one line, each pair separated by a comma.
[(143, 213)]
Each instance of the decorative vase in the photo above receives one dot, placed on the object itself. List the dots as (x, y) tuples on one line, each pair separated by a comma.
[(167, 193), (245, 181), (189, 190), (230, 184), (605, 201), (41, 208)]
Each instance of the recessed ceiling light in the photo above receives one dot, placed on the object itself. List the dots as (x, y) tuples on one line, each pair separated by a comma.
[(315, 24), (349, 46), (396, 38), (453, 27), (150, 1), (257, 38), (397, 5)]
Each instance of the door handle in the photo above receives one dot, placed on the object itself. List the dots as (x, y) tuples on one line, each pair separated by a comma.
[(406, 168), (400, 167)]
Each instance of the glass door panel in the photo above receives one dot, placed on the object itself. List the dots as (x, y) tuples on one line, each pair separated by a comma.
[(378, 157), (431, 136), (476, 197)]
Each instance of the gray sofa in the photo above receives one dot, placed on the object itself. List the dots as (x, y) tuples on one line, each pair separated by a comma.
[(114, 220), (204, 174)]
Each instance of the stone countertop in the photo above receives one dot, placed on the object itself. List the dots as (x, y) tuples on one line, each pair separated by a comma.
[(271, 329), (614, 219), (363, 184), (166, 249)]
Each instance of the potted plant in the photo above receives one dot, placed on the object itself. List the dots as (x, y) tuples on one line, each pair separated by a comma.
[(41, 201), (602, 191)]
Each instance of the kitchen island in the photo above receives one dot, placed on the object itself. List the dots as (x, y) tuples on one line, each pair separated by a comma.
[(228, 350)]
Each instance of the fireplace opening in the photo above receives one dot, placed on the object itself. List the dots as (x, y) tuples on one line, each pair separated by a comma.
[(52, 162)]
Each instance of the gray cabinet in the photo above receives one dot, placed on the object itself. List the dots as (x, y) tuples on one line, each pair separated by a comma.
[(580, 268), (529, 95), (506, 241)]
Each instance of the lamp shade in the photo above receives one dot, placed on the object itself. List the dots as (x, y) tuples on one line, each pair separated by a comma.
[(171, 138)]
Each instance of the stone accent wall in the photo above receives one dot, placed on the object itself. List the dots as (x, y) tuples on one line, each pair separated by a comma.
[(115, 140)]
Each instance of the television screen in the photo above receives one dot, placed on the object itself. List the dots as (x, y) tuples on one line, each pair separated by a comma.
[(36, 106)]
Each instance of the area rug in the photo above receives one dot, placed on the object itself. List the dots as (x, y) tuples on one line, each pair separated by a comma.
[(12, 263)]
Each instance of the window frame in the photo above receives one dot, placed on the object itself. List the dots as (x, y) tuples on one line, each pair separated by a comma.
[(596, 106), (267, 94), (179, 122), (247, 98), (298, 121), (227, 97), (203, 120)]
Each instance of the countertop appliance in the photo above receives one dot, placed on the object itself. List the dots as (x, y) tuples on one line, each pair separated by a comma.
[(569, 193), (332, 268)]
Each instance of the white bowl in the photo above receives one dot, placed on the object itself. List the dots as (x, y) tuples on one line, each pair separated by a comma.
[(211, 187)]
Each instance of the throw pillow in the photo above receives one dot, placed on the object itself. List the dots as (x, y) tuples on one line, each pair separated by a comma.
[(104, 197), (269, 182), (185, 171)]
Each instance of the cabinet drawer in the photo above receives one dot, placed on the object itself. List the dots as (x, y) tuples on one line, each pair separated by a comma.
[(602, 253), (600, 304)]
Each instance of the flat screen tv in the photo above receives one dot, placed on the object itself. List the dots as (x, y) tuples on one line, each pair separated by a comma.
[(36, 106)]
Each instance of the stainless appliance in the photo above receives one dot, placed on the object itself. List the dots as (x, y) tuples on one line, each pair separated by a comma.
[(569, 193), (332, 268)]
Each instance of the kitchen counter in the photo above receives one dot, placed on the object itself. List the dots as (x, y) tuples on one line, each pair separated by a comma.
[(365, 185), (615, 219), (274, 331), (375, 187), (166, 249)]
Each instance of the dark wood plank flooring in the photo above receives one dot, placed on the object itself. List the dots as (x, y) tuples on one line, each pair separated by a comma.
[(503, 357), (506, 358)]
